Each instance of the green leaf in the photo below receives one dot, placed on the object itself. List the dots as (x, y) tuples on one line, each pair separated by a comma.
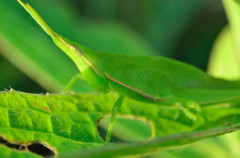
[(232, 9), (224, 59), (28, 118), (27, 47), (68, 123), (7, 152), (153, 145)]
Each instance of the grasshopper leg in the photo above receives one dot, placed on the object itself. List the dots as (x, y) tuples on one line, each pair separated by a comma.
[(193, 105), (203, 115), (115, 108), (197, 107), (72, 82)]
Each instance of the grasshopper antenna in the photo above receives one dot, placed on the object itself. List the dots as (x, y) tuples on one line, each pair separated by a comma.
[(38, 19)]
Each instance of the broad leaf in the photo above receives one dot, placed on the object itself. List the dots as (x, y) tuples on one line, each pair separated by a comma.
[(8, 152), (224, 59), (67, 123), (154, 145), (232, 8)]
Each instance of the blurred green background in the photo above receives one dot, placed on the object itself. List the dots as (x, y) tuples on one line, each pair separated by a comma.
[(185, 30)]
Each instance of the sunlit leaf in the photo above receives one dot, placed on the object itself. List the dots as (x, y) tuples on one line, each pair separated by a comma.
[(68, 123), (224, 59)]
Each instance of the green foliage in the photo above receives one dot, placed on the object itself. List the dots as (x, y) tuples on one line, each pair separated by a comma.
[(224, 59), (68, 123), (153, 145), (7, 152), (233, 11), (27, 118)]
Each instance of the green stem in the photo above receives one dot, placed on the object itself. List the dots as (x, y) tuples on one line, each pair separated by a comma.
[(115, 108)]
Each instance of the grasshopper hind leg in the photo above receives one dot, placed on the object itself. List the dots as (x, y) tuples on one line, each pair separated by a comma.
[(72, 81), (115, 108)]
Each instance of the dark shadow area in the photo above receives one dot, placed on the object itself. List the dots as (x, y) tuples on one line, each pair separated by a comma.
[(35, 147), (12, 77), (41, 149), (12, 145)]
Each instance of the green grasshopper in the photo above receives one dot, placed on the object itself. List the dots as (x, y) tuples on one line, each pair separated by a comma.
[(157, 80)]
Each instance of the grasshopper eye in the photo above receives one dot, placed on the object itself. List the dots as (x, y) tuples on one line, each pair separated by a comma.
[(76, 49)]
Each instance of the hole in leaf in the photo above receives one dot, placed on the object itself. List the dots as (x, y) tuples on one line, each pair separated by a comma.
[(35, 147), (126, 129), (12, 145), (41, 149), (102, 132)]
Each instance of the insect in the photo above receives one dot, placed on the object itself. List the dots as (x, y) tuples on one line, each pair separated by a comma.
[(158, 80)]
